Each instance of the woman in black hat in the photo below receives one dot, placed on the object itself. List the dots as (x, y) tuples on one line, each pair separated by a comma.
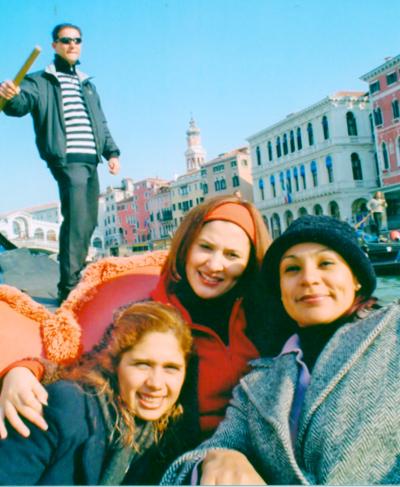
[(326, 410)]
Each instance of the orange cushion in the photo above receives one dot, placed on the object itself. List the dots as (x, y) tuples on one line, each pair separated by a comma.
[(28, 329), (19, 335), (95, 315)]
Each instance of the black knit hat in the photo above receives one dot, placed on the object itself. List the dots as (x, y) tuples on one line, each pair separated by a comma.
[(337, 235)]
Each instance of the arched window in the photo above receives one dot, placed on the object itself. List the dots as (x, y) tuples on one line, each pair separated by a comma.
[(282, 180), (303, 176), (385, 156), (395, 109), (235, 181), (292, 146), (296, 178), (299, 139), (288, 181), (205, 188), (223, 183), (217, 185), (378, 119), (318, 210), (258, 156), (270, 157), (334, 209), (273, 187), (329, 168), (314, 173), (288, 217), (310, 133), (325, 127), (356, 167), (351, 124), (261, 188), (285, 145), (278, 147), (371, 125), (303, 211), (275, 225)]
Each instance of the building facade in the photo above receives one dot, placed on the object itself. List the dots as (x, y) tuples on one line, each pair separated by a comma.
[(161, 219), (127, 215), (316, 161), (108, 213), (229, 173), (384, 89)]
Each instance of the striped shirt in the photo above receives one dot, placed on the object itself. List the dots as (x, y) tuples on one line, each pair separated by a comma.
[(79, 132)]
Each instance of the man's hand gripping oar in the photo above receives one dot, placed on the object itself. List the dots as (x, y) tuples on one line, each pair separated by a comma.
[(9, 89)]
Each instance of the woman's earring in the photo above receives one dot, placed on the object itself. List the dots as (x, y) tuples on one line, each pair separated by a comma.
[(358, 286)]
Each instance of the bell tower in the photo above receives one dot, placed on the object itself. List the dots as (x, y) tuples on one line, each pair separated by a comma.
[(195, 153)]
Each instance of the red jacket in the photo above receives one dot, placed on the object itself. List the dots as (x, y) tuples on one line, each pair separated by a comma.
[(220, 366)]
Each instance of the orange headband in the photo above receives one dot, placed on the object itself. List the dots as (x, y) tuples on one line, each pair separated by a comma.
[(234, 213)]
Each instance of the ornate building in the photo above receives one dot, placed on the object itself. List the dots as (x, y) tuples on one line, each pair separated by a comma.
[(317, 161)]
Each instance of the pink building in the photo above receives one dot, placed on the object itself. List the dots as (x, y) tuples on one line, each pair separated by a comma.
[(133, 213), (384, 89), (126, 211)]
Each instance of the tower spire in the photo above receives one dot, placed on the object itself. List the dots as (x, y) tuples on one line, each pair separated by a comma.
[(195, 153)]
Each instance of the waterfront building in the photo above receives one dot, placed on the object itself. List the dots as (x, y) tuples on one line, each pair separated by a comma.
[(229, 173), (161, 220), (316, 161), (127, 215), (143, 192), (186, 192), (108, 213), (384, 90)]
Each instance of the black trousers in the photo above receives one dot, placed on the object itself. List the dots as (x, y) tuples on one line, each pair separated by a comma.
[(378, 222), (78, 186)]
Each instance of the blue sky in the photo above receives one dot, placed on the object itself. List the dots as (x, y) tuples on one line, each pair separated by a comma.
[(237, 66)]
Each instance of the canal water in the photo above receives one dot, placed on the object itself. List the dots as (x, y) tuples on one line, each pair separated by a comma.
[(388, 289)]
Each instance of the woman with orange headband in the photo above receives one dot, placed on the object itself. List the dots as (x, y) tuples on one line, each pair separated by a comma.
[(212, 276)]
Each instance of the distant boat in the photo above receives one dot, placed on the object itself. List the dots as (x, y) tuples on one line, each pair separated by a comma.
[(384, 255), (5, 244)]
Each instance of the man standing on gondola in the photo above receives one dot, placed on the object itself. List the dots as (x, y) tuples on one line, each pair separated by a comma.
[(72, 137)]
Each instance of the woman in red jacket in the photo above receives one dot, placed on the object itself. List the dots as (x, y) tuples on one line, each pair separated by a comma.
[(212, 276)]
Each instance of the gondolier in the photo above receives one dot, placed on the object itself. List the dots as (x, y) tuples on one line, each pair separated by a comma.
[(72, 137)]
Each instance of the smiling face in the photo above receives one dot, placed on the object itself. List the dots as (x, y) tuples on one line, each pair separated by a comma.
[(317, 285), (69, 52), (217, 259), (151, 375)]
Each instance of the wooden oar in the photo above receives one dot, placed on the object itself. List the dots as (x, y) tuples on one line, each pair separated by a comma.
[(363, 220), (22, 72)]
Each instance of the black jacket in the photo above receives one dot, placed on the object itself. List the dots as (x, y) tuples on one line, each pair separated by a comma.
[(75, 447), (41, 96), (71, 452)]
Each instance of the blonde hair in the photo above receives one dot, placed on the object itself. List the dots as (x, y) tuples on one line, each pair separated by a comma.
[(99, 368)]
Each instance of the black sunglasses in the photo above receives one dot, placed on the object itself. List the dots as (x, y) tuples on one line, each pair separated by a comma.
[(69, 40)]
